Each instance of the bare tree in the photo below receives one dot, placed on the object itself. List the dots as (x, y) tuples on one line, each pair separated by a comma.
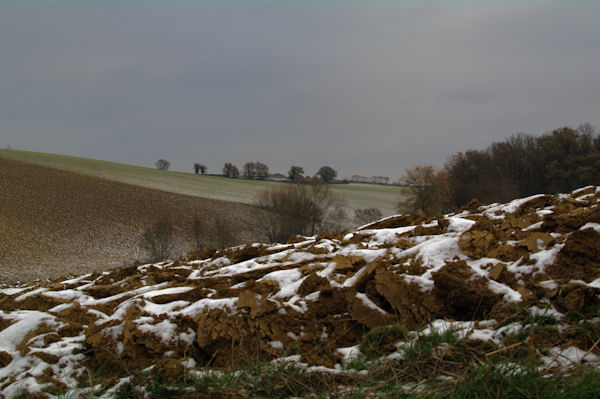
[(295, 174), (199, 168), (158, 240), (336, 220), (249, 170), (286, 209), (224, 232), (322, 202), (587, 129), (427, 190), (262, 170), (162, 164), (299, 209), (197, 229), (230, 170), (366, 215)]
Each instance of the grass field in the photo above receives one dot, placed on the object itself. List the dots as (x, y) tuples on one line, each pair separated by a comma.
[(243, 191)]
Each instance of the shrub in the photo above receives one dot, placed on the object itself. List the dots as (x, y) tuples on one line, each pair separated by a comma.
[(158, 240), (298, 209), (366, 215)]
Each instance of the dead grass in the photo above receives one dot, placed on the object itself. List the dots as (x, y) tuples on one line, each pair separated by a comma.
[(55, 223)]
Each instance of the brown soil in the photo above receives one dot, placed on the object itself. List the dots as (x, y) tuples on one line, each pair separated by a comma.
[(579, 258), (465, 295), (55, 223)]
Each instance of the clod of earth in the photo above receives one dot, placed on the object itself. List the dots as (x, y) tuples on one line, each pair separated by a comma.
[(309, 297)]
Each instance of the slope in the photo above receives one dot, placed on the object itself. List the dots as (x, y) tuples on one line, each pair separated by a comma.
[(243, 191), (54, 223)]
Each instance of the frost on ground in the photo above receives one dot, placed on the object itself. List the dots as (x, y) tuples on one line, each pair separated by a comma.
[(313, 300)]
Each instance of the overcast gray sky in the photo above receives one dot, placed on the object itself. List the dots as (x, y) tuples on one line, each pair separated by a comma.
[(367, 87)]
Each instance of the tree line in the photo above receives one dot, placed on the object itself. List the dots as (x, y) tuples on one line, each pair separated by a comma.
[(519, 166), (259, 171)]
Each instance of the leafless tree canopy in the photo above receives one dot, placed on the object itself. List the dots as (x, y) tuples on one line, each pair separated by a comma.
[(366, 215), (295, 174), (199, 168), (427, 190), (163, 164), (230, 170), (299, 209), (523, 165), (256, 170), (158, 240)]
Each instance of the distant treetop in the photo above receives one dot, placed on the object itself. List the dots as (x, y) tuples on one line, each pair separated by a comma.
[(162, 164), (327, 174)]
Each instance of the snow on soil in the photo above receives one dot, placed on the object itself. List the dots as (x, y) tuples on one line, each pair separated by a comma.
[(467, 271)]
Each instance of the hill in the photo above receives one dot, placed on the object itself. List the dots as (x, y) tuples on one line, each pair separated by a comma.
[(55, 222), (489, 301), (243, 191)]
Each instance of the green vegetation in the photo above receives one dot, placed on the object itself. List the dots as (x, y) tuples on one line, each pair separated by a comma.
[(433, 364), (243, 191), (462, 373), (380, 340), (424, 345), (252, 379), (513, 381)]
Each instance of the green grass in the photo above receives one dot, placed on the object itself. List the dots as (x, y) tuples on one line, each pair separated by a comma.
[(512, 382), (244, 191), (423, 345), (253, 379), (437, 365), (380, 340), (268, 380)]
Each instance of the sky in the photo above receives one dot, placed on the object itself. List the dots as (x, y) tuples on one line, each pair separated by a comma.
[(366, 87)]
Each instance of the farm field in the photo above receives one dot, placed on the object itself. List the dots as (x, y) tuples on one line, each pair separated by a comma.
[(54, 222), (243, 191)]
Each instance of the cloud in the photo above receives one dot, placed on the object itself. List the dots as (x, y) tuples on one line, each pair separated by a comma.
[(367, 87)]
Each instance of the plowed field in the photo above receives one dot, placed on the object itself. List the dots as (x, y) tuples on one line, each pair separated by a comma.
[(55, 223)]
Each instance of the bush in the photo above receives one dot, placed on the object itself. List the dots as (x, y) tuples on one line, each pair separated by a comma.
[(427, 190), (224, 233), (162, 164), (158, 240), (287, 212), (366, 215), (298, 209)]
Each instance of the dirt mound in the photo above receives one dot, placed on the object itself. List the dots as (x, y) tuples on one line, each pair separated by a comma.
[(398, 221), (579, 258), (310, 297), (465, 293)]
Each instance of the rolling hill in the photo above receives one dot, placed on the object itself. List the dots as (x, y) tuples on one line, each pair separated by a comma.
[(65, 215), (55, 222), (243, 191)]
